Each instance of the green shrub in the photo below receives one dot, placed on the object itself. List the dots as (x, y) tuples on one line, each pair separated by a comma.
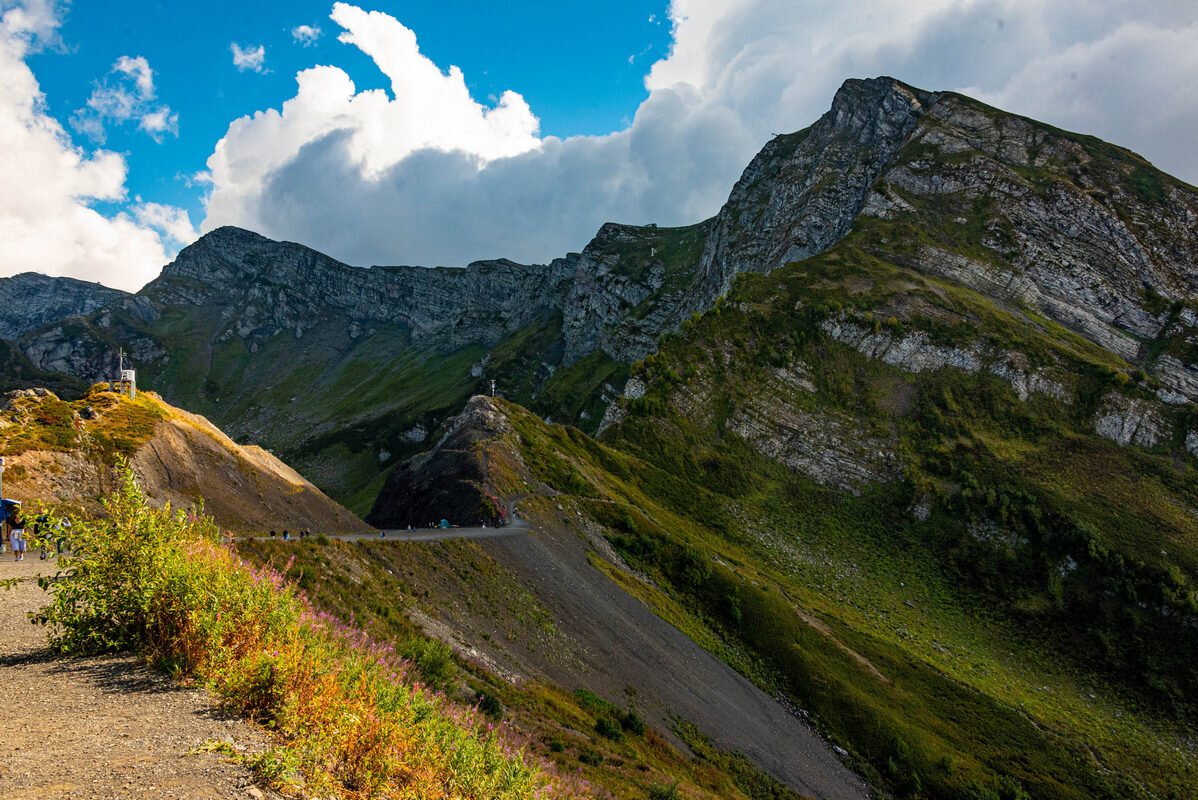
[(631, 723), (593, 702), (433, 659), (489, 704), (609, 728), (661, 791), (590, 757)]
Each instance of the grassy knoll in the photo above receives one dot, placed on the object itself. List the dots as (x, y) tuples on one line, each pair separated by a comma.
[(119, 428)]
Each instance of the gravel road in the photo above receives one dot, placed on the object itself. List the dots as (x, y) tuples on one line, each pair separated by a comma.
[(104, 727)]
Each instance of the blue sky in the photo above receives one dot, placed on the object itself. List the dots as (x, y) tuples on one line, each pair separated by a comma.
[(580, 66), (440, 133)]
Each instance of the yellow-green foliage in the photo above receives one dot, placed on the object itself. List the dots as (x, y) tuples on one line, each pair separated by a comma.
[(47, 423), (348, 720)]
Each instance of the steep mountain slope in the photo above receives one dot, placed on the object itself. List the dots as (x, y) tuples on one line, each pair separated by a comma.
[(1000, 500), (933, 479), (64, 453), (973, 601), (592, 634), (31, 300)]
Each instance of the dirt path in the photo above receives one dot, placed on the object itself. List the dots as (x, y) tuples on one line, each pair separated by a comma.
[(103, 727), (516, 527)]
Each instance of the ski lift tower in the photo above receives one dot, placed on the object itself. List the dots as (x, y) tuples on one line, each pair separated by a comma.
[(128, 381)]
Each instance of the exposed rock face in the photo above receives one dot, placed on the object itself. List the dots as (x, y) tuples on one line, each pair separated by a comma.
[(916, 353), (29, 301), (799, 195), (271, 286), (446, 482), (1128, 421), (1069, 226), (828, 449)]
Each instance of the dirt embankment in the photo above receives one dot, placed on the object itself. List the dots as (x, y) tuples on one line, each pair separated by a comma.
[(186, 460)]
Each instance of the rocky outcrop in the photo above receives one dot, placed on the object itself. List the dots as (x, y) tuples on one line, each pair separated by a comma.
[(1126, 420), (446, 482), (30, 301), (1083, 232), (915, 353), (828, 448), (801, 193)]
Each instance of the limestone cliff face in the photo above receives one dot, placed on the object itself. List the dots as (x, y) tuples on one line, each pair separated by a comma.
[(29, 301), (256, 289), (1078, 230)]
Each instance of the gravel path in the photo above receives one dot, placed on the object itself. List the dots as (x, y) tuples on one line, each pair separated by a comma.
[(105, 727)]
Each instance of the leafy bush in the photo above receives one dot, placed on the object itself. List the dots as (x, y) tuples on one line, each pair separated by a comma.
[(433, 659), (489, 704), (609, 728), (631, 723), (593, 702), (590, 757), (660, 791), (349, 720)]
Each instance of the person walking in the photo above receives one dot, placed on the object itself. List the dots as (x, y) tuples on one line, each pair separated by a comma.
[(17, 523)]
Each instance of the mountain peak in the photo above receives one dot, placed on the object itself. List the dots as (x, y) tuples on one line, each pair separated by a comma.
[(229, 254)]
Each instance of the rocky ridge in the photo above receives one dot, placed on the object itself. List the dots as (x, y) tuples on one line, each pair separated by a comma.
[(31, 300), (1049, 225)]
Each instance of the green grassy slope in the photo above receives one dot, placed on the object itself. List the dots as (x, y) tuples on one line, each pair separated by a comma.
[(1031, 629)]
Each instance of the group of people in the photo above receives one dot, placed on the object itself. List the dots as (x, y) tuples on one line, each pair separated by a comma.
[(304, 534), (15, 532)]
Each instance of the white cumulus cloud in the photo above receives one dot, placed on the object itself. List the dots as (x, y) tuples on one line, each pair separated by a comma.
[(48, 185), (248, 58), (128, 95), (171, 222), (306, 34), (425, 174)]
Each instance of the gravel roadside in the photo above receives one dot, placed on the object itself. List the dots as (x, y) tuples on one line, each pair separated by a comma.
[(104, 727)]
